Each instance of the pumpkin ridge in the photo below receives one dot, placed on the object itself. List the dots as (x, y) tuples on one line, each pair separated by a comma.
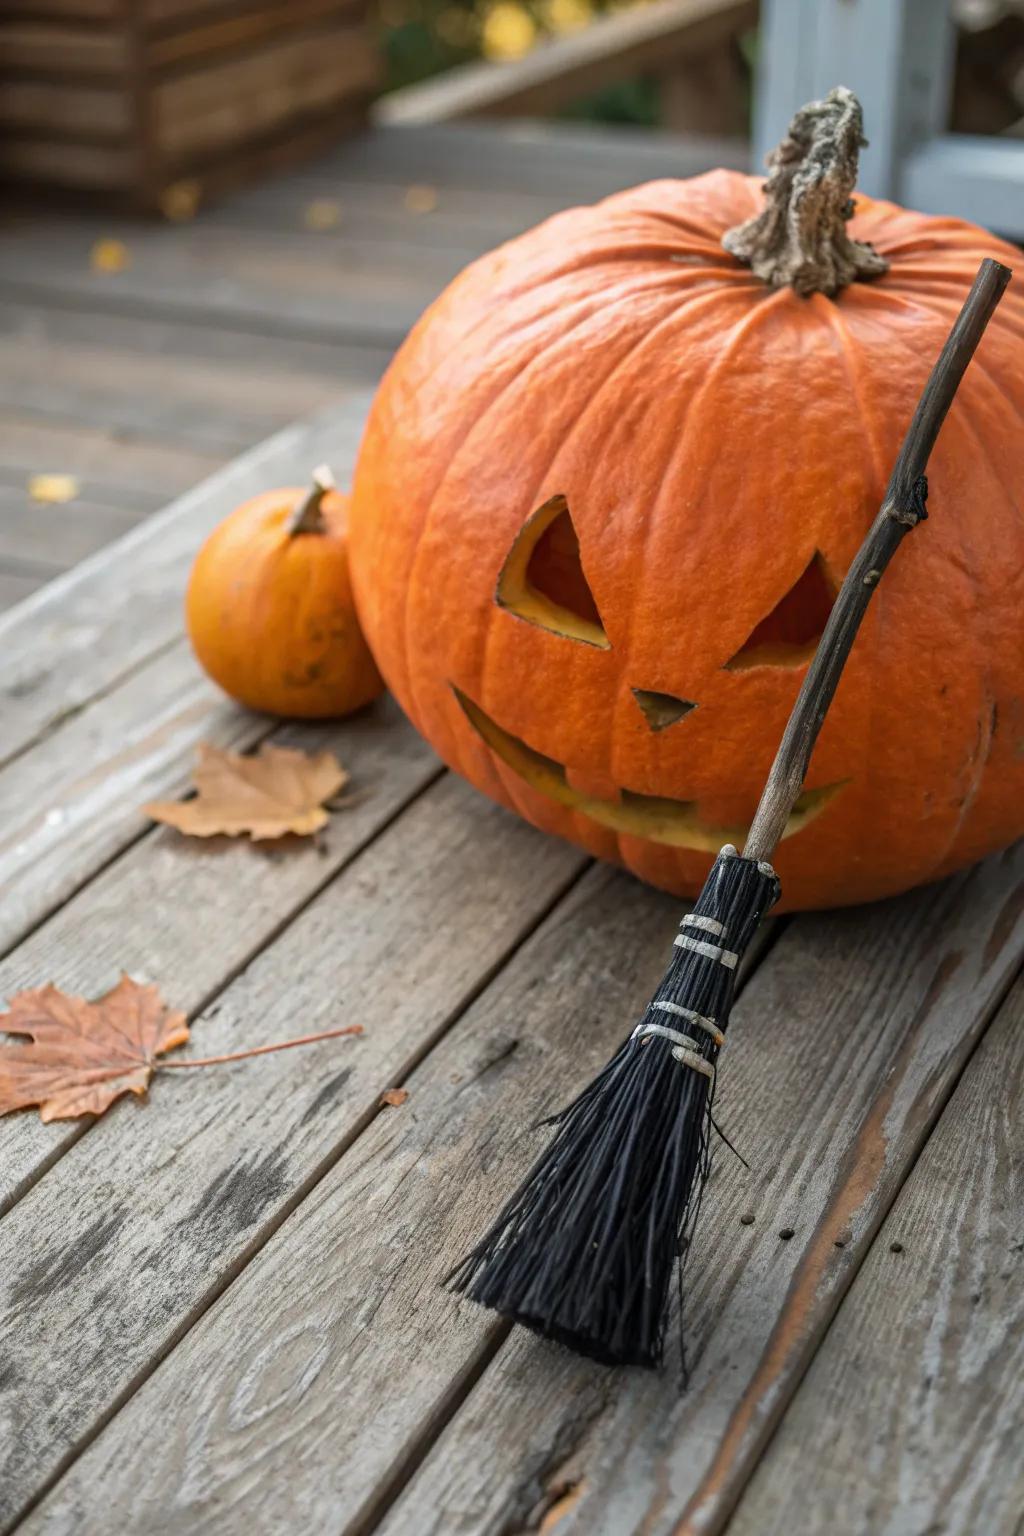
[(712, 296), (967, 423), (848, 352), (451, 457), (481, 670), (644, 337), (960, 420), (921, 298), (740, 328)]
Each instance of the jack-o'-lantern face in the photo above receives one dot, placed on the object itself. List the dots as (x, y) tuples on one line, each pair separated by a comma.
[(617, 663), (543, 583)]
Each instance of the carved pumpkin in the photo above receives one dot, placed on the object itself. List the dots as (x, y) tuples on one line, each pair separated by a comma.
[(270, 610), (612, 481)]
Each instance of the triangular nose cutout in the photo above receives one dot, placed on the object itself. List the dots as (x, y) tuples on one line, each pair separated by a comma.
[(661, 709), (543, 581)]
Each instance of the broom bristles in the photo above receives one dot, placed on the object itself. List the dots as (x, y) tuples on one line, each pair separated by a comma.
[(586, 1248)]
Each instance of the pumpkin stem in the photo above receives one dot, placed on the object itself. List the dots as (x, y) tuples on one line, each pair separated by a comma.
[(800, 238), (308, 516)]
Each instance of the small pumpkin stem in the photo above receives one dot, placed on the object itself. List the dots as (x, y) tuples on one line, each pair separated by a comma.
[(800, 236), (308, 516)]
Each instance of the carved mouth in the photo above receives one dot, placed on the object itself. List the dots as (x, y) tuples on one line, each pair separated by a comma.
[(676, 823)]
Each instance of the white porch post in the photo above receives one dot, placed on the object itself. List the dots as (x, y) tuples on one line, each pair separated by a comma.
[(895, 54)]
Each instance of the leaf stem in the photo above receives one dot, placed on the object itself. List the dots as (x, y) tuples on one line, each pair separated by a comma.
[(257, 1050)]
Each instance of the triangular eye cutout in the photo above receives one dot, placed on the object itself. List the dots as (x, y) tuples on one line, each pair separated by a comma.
[(542, 580), (789, 635), (661, 709)]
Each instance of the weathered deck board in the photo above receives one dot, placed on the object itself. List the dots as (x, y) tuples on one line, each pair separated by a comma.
[(75, 639), (151, 912), (15, 586), (189, 384), (70, 803), (346, 1295), (839, 1059), (98, 1282), (343, 1307), (217, 332), (282, 283), (265, 273), (578, 161), (912, 1413), (58, 536), (148, 471)]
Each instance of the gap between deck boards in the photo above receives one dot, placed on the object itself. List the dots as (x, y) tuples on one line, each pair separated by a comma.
[(575, 865)]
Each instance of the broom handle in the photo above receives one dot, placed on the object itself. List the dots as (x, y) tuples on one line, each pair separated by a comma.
[(901, 510)]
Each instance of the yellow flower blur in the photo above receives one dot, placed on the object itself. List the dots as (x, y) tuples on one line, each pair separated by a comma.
[(509, 31)]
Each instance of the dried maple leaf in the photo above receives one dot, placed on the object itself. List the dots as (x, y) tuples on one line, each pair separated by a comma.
[(394, 1096), (276, 792), (84, 1055)]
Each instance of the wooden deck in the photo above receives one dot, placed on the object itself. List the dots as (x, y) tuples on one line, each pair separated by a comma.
[(141, 382), (221, 1309)]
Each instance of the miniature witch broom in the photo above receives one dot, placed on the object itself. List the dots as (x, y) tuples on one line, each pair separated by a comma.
[(585, 1250)]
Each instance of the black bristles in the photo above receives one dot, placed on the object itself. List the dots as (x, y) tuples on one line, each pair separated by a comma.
[(585, 1250)]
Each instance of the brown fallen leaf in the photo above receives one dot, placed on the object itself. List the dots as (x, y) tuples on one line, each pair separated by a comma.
[(394, 1096), (84, 1055), (277, 792)]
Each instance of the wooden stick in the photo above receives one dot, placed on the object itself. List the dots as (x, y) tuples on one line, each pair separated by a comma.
[(902, 509)]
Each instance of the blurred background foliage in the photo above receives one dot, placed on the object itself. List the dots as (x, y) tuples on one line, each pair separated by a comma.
[(424, 37)]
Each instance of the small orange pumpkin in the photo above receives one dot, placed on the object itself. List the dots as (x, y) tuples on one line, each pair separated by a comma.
[(610, 486), (270, 611)]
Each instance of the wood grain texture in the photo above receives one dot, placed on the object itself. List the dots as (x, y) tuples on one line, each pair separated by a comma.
[(295, 1396), (150, 1215), (44, 47), (72, 802), (152, 471), (54, 537), (839, 1058), (912, 1413), (278, 283), (232, 100), (75, 639), (541, 158), (16, 585), (150, 913), (189, 384), (93, 112), (362, 286)]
